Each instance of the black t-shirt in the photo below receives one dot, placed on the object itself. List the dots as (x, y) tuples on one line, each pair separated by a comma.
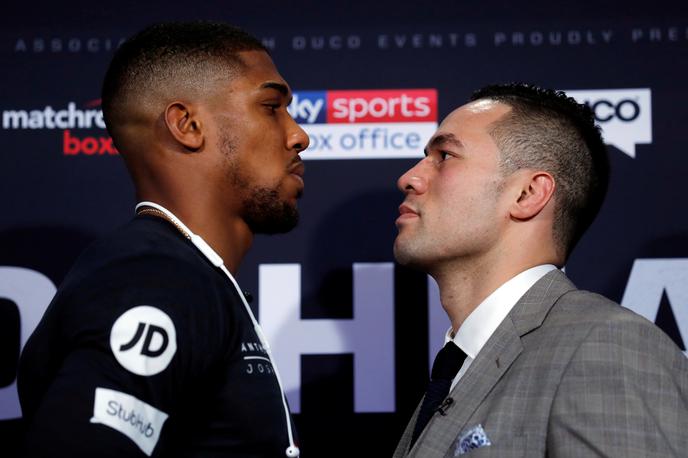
[(147, 349)]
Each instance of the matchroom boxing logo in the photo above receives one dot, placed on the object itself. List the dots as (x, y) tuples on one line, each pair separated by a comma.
[(71, 120), (366, 124), (625, 115)]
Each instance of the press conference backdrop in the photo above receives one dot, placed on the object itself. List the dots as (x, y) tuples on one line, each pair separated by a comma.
[(352, 332)]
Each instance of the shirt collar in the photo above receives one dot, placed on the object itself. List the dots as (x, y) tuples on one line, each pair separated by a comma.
[(488, 315)]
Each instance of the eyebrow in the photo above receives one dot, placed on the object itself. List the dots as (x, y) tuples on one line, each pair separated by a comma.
[(442, 139), (282, 88)]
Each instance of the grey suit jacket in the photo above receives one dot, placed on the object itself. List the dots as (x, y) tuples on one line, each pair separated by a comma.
[(567, 373)]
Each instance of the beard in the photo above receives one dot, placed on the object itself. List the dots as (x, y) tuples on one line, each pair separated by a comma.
[(263, 210), (265, 213)]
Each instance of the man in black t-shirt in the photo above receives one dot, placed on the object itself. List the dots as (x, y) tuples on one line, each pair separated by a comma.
[(149, 347)]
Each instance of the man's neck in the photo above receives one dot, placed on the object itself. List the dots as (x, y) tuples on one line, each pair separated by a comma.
[(463, 289), (229, 237)]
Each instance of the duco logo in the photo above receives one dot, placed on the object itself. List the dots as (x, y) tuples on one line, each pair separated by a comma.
[(626, 110), (625, 115), (144, 340)]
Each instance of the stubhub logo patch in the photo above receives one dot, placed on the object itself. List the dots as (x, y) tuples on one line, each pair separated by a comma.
[(366, 124)]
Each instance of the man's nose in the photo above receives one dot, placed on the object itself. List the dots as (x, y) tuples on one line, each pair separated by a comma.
[(413, 180), (297, 138)]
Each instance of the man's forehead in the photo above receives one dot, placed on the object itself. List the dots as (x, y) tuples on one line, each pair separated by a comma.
[(479, 113), (482, 108), (468, 124), (260, 73)]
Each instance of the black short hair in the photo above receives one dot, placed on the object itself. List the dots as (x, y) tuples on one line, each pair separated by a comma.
[(173, 54), (550, 131)]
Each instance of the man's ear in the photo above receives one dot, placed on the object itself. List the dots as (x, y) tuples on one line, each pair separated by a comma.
[(184, 125), (536, 190)]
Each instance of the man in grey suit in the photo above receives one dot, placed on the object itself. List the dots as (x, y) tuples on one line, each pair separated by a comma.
[(532, 365)]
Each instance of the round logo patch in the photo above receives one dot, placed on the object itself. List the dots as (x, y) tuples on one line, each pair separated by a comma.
[(144, 340)]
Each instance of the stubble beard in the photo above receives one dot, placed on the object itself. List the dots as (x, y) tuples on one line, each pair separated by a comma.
[(408, 251), (412, 247), (421, 250), (263, 210)]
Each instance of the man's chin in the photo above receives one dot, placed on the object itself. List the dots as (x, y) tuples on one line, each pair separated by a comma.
[(403, 254), (411, 255), (265, 212), (275, 223)]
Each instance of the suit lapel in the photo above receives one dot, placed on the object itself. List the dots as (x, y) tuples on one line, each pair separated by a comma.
[(504, 346), (493, 360)]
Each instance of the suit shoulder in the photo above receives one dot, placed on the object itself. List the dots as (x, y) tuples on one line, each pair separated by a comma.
[(585, 307), (600, 322), (623, 382)]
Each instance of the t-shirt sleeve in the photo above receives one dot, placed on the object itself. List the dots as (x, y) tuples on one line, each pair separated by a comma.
[(139, 339)]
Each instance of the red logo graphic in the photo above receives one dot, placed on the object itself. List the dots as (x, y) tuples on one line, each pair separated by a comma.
[(73, 145), (385, 105)]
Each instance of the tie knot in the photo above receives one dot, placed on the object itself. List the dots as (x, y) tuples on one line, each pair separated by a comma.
[(447, 362)]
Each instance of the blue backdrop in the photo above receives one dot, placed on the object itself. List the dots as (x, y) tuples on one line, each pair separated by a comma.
[(352, 331)]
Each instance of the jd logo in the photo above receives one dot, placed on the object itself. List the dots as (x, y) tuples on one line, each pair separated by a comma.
[(144, 340), (146, 350)]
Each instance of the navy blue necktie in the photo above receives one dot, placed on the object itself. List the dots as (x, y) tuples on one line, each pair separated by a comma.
[(447, 363)]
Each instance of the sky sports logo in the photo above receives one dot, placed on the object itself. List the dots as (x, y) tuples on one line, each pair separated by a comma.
[(366, 124)]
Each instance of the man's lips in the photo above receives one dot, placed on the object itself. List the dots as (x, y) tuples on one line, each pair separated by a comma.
[(297, 170), (406, 212)]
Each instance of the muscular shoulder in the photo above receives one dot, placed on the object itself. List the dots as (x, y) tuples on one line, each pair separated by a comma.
[(144, 264), (147, 255), (142, 249)]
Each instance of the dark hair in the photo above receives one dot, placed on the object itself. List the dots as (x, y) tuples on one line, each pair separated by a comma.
[(550, 131), (171, 56)]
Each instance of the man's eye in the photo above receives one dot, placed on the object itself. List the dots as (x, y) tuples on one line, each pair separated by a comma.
[(444, 155), (273, 107)]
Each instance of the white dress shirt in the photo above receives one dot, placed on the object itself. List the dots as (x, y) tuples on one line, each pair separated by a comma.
[(479, 326)]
